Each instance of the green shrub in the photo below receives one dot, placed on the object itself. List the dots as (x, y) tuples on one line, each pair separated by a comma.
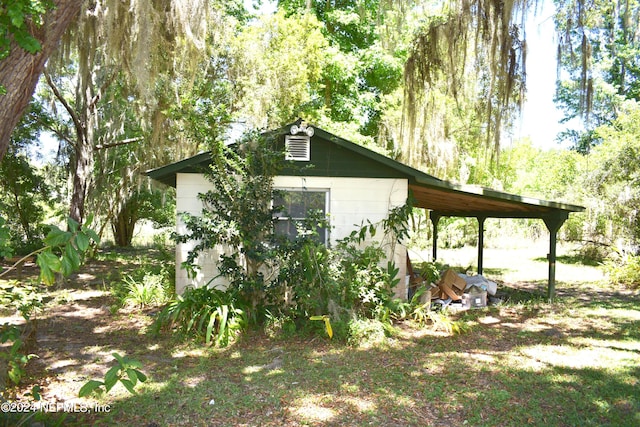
[(441, 321), (624, 270), (279, 326), (342, 282), (126, 371), (13, 358), (6, 249), (366, 331), (206, 313), (148, 291), (430, 271)]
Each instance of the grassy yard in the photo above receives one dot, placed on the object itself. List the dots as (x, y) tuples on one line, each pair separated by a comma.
[(575, 362)]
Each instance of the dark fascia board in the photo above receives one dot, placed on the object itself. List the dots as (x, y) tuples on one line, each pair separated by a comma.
[(167, 174), (533, 214), (498, 195)]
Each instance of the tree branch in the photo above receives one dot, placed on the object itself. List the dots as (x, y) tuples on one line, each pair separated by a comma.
[(101, 90), (74, 116), (118, 143), (56, 131)]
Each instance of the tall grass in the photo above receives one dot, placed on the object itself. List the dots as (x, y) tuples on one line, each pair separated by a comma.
[(204, 312)]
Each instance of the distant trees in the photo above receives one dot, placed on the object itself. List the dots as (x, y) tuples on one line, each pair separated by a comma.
[(24, 191), (326, 61), (599, 53), (614, 177)]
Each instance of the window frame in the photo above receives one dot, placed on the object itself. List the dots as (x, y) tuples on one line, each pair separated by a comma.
[(277, 216)]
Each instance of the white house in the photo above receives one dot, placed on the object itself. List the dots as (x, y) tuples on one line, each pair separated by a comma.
[(353, 185)]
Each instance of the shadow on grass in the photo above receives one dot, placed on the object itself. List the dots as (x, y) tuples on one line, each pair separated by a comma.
[(428, 381), (496, 271), (573, 259), (476, 378)]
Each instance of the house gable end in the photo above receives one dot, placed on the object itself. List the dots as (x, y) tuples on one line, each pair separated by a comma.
[(332, 160)]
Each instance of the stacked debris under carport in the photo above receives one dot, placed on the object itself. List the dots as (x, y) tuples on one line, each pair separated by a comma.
[(459, 291)]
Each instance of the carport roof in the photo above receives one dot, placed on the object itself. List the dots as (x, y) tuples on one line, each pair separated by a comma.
[(448, 199)]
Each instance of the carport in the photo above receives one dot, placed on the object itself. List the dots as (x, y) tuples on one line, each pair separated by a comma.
[(445, 199)]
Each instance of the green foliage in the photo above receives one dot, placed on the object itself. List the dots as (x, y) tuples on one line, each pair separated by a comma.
[(368, 287), (441, 321), (139, 204), (279, 326), (624, 269), (6, 251), (458, 232), (597, 76), (126, 371), (24, 192), (237, 214), (69, 246), (555, 174), (430, 271), (151, 290), (26, 299), (286, 68), (14, 359), (205, 313), (64, 250), (614, 179), (422, 315), (366, 331), (549, 174), (340, 65), (416, 310), (346, 281), (15, 17)]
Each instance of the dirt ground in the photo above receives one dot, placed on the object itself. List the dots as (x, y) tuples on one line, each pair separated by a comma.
[(77, 331)]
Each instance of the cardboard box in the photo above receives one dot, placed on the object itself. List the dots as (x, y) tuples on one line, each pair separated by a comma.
[(449, 292), (451, 279)]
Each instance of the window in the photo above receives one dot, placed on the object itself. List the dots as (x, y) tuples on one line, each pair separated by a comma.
[(294, 205), (297, 147)]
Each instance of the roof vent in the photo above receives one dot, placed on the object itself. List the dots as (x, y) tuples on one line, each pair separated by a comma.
[(297, 147)]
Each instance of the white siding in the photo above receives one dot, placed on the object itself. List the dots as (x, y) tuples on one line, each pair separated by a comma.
[(352, 201), (188, 186)]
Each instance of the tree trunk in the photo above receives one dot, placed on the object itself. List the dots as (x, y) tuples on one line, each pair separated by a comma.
[(81, 178), (20, 71), (123, 225)]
